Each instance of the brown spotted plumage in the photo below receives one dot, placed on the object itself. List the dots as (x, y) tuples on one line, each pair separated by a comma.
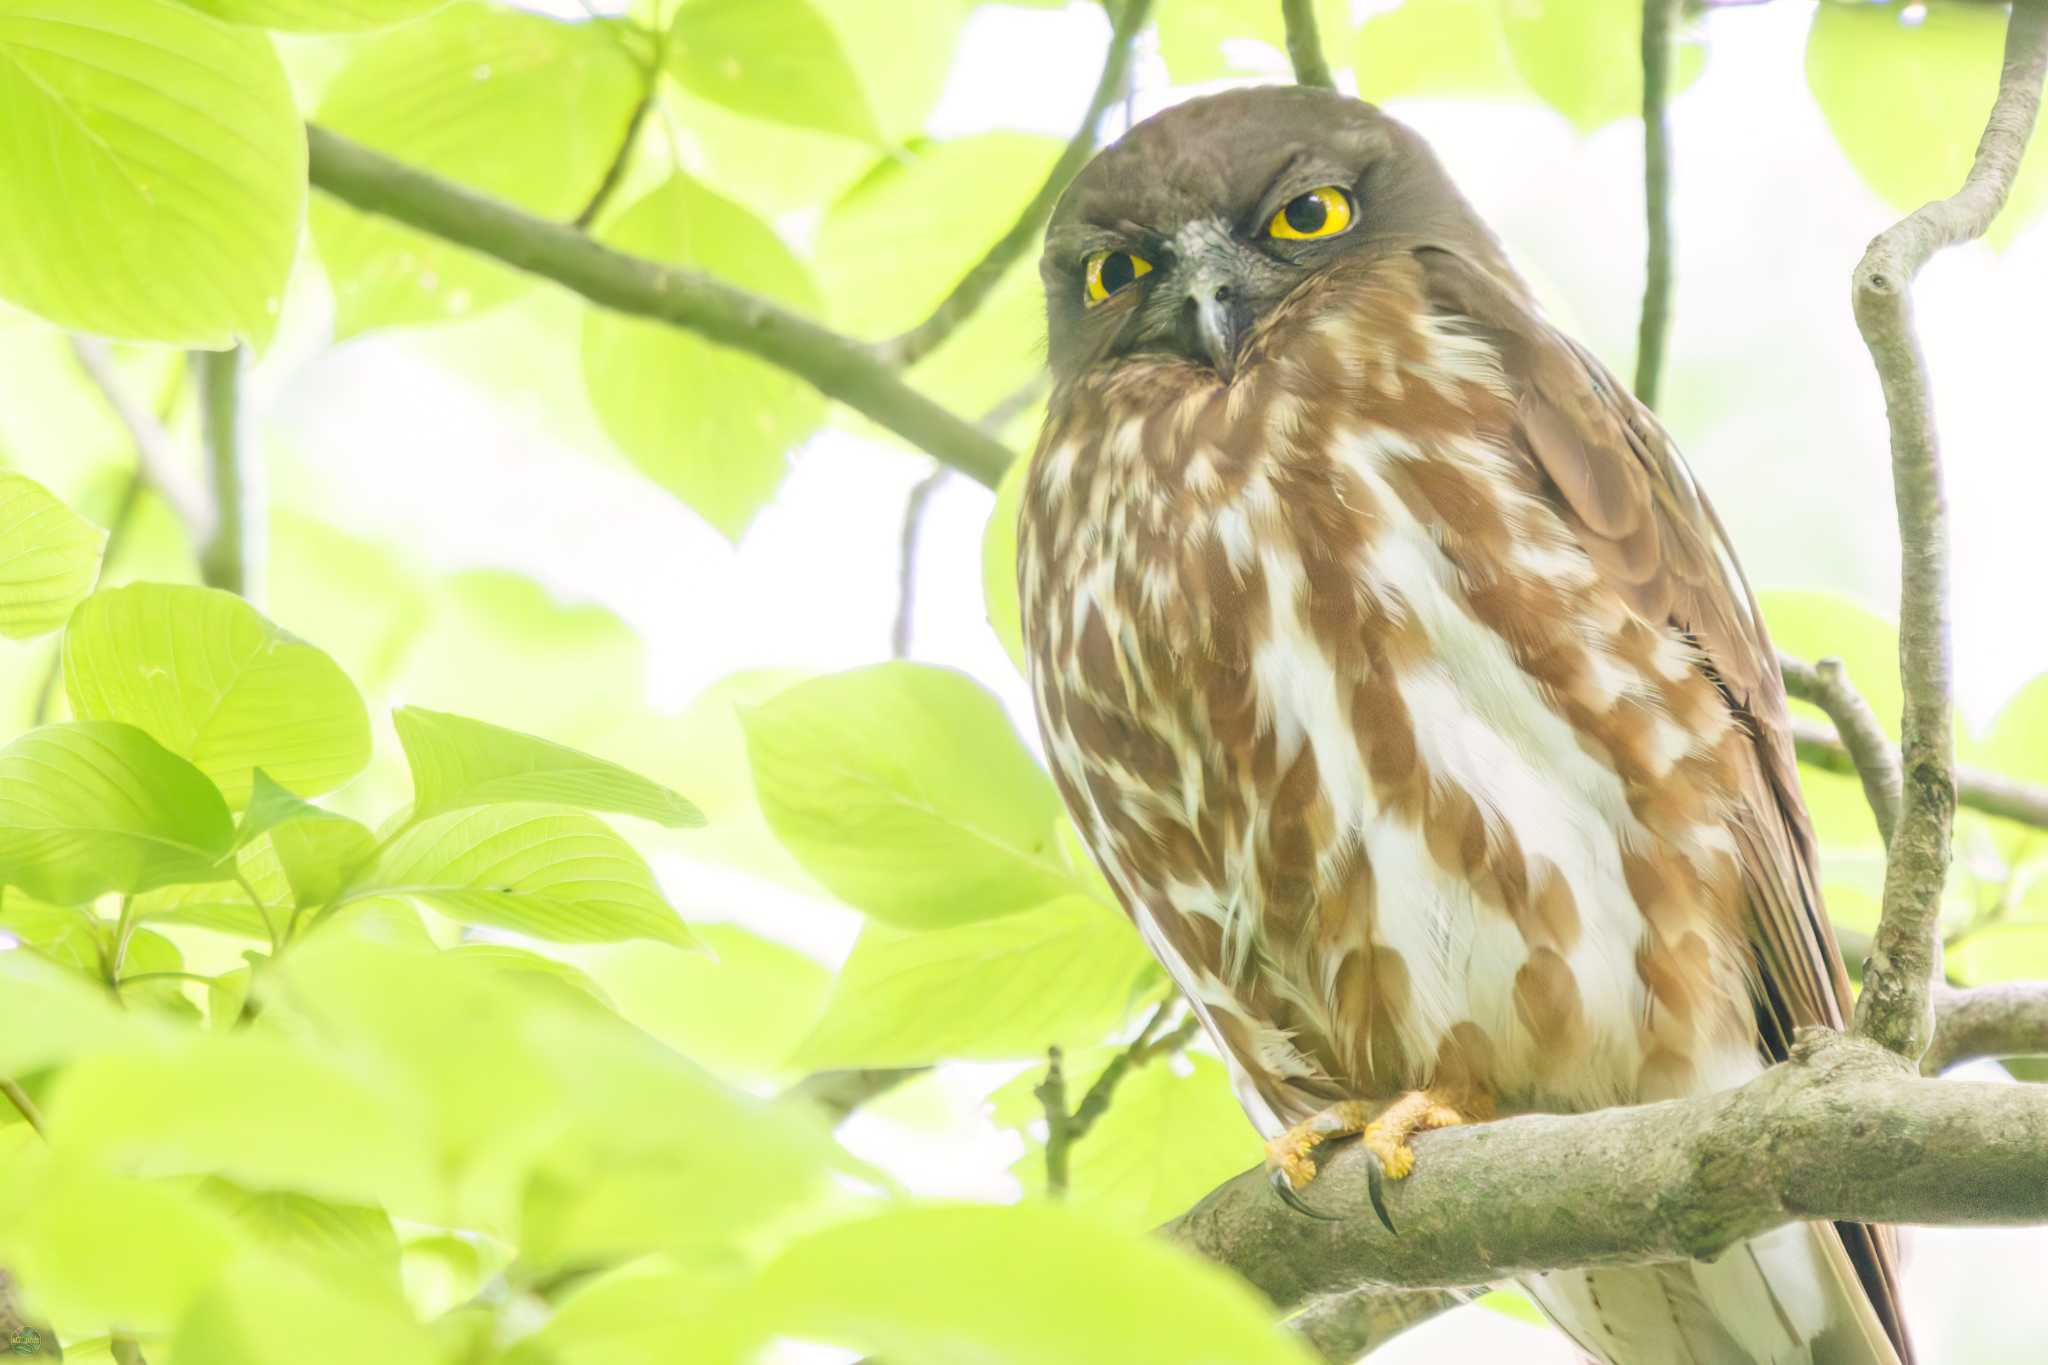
[(1409, 694)]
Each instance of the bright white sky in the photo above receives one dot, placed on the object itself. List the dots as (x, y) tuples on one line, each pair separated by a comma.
[(1787, 435)]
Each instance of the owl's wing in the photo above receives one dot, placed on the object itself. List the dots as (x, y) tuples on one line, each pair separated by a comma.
[(1619, 482)]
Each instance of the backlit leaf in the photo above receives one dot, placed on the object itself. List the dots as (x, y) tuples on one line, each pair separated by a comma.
[(771, 59), (49, 556), (459, 762)]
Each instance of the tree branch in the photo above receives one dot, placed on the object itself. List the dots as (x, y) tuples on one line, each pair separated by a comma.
[(1655, 326), (615, 173), (906, 560), (225, 554), (1987, 1022), (1305, 45), (1893, 1007), (1051, 1094), (1861, 738), (155, 453), (1342, 1327), (23, 1105), (835, 365), (1839, 1131), (1985, 792), (1128, 20)]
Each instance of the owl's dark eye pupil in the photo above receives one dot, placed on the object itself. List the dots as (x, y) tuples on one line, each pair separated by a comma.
[(1117, 271), (1308, 213)]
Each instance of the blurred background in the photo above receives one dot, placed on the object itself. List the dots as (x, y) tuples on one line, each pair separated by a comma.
[(483, 499)]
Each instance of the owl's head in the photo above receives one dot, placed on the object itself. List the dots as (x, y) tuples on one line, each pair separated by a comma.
[(1179, 237)]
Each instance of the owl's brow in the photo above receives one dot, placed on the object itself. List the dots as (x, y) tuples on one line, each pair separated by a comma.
[(1304, 171)]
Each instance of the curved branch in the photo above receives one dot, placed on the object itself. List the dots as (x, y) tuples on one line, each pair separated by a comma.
[(837, 366), (976, 285), (225, 554), (1984, 792), (1871, 755), (1893, 1007), (1305, 44), (1839, 1131), (1655, 327)]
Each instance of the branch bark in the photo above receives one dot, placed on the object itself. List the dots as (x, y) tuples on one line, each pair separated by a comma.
[(1894, 1007), (1862, 739), (225, 554), (1839, 1131), (837, 366), (1305, 45), (1655, 327), (1129, 20), (1987, 1023), (1342, 1327)]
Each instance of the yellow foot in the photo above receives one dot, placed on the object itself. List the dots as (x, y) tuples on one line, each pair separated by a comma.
[(1290, 1156)]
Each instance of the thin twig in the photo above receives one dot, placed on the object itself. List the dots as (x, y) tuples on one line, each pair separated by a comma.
[(227, 553), (1142, 1049), (1987, 1022), (1655, 328), (1871, 755), (976, 285), (906, 559), (1305, 45), (837, 366), (155, 454), (24, 1105), (1894, 1007), (839, 1093), (1052, 1097), (615, 173), (1986, 793)]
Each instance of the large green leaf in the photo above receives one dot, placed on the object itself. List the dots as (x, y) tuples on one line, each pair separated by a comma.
[(214, 681), (1905, 89), (1011, 987), (265, 1309), (535, 870), (1584, 57), (903, 789), (95, 806), (459, 762), (317, 16), (315, 850), (1030, 1284), (155, 171), (524, 108), (49, 556), (721, 441), (770, 59), (1437, 47)]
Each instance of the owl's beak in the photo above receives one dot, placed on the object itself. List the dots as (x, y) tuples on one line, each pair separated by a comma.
[(1221, 321)]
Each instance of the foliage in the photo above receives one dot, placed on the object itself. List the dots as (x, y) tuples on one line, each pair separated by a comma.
[(375, 988)]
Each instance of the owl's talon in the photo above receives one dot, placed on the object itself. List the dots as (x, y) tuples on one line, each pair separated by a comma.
[(1376, 1190), (1294, 1157), (1289, 1196)]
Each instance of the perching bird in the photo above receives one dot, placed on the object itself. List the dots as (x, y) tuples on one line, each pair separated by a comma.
[(1409, 694)]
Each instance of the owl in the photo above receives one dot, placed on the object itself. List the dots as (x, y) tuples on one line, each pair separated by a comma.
[(1409, 693)]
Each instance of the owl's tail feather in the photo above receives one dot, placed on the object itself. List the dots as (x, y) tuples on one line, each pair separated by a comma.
[(1789, 1297)]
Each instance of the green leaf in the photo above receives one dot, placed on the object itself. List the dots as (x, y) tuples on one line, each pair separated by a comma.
[(939, 204), (981, 1283), (1201, 40), (1819, 625), (1905, 89), (2003, 952), (527, 109), (48, 1016), (1009, 987), (771, 59), (903, 789), (95, 806), (155, 171), (1455, 48), (738, 1008), (458, 762), (354, 1239), (1584, 57), (1168, 1137), (49, 556), (317, 16), (214, 681), (266, 1309), (999, 562), (550, 874), (720, 442)]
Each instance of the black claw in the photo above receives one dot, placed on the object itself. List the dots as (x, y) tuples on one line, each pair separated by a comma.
[(1376, 1190), (1293, 1200)]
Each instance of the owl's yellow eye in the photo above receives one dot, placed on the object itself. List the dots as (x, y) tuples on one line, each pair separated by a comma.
[(1323, 212), (1108, 271)]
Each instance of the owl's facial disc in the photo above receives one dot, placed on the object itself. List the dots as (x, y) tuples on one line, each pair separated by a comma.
[(1213, 283)]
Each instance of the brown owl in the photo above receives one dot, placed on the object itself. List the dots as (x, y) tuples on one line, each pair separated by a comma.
[(1408, 691)]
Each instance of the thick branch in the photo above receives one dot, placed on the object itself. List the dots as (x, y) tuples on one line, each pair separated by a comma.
[(224, 555), (1893, 1008), (1862, 739), (1840, 1131), (837, 366), (975, 286), (2009, 1020), (1305, 44), (155, 454), (1342, 1327), (1655, 326)]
